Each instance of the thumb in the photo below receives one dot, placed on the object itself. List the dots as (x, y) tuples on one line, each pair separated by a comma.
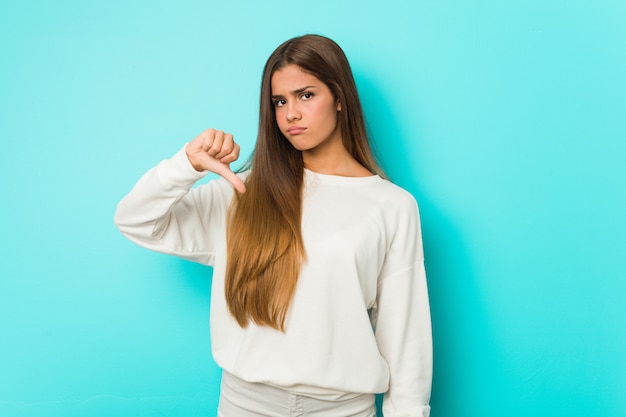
[(223, 170)]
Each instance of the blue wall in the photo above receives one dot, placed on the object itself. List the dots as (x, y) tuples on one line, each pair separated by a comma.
[(504, 119)]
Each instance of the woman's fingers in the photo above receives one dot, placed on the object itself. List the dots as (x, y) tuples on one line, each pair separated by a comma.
[(231, 156), (224, 171), (215, 143), (226, 147), (213, 150)]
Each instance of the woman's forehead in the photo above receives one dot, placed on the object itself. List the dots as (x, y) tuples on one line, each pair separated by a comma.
[(292, 78)]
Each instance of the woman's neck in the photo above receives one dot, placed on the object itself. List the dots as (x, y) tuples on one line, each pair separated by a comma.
[(339, 162)]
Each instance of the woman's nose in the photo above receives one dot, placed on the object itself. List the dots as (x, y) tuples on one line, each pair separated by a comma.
[(293, 113)]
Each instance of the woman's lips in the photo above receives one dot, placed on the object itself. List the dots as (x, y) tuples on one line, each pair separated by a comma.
[(296, 130)]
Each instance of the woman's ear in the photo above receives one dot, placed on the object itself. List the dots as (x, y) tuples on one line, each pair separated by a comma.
[(338, 106)]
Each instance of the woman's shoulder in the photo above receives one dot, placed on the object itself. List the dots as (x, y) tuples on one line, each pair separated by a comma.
[(396, 194)]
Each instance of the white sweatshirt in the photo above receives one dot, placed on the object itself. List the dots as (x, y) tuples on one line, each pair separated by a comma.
[(359, 321)]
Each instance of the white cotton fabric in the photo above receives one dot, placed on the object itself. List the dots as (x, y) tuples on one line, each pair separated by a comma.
[(239, 398), (359, 321)]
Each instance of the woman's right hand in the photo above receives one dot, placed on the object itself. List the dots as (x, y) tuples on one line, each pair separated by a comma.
[(213, 150)]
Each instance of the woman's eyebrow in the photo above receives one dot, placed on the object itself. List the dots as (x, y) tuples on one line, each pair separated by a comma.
[(301, 90), (295, 92)]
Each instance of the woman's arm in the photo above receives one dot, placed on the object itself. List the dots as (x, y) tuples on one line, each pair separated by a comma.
[(403, 327), (164, 214)]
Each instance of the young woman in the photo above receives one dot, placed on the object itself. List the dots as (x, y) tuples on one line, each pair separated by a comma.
[(319, 295)]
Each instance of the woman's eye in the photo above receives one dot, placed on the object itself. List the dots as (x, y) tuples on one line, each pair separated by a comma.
[(307, 96), (279, 103)]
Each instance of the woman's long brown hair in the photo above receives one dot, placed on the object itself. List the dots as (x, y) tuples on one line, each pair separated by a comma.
[(265, 250)]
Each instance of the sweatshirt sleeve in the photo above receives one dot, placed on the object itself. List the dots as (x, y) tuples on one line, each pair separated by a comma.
[(402, 324), (163, 213)]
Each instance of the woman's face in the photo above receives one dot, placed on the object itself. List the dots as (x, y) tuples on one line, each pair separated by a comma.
[(306, 111)]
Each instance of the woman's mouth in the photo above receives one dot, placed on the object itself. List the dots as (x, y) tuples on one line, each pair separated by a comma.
[(296, 130)]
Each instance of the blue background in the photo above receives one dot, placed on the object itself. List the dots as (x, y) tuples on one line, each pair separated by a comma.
[(505, 119)]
